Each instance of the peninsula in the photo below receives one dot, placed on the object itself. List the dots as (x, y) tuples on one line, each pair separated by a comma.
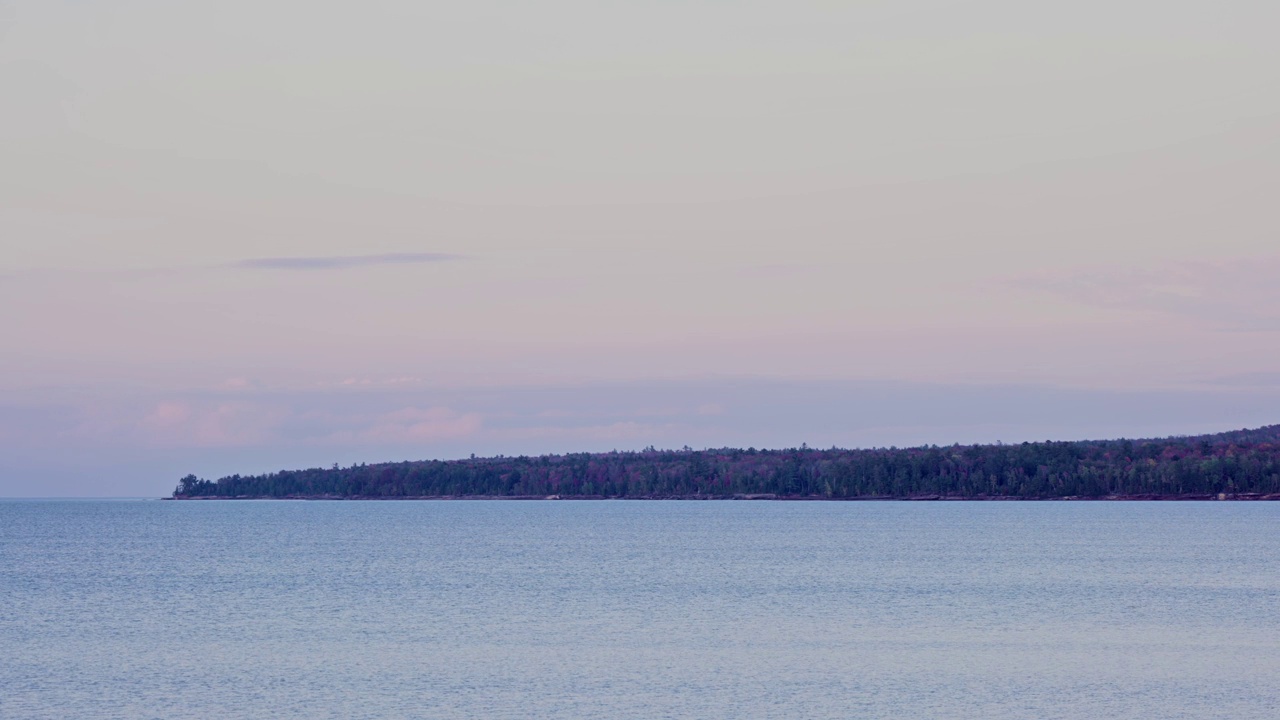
[(1237, 465)]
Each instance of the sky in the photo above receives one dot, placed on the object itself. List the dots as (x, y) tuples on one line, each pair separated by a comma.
[(246, 236)]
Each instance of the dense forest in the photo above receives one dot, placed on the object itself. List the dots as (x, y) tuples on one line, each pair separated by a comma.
[(1242, 464)]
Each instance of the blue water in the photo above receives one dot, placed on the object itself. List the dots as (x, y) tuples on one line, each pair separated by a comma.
[(617, 609)]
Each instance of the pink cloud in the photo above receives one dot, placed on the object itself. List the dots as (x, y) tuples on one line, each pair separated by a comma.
[(222, 424), (167, 415)]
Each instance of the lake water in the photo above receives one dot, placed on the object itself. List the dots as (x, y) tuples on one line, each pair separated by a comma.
[(632, 609)]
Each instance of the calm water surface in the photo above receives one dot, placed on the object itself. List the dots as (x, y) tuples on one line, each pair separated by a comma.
[(616, 609)]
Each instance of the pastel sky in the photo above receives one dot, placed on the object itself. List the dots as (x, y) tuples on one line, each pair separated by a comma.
[(244, 236)]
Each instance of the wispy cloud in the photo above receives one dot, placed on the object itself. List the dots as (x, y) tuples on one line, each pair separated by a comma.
[(1231, 295), (342, 262)]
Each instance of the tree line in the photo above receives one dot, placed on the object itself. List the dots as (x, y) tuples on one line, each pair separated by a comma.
[(1244, 462)]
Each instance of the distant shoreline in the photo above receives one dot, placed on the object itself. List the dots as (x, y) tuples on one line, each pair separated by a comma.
[(1222, 497), (1235, 465)]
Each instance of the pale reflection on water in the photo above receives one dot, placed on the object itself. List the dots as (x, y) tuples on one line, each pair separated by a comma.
[(619, 609)]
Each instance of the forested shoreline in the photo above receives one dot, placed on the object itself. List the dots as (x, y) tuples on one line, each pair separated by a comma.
[(1243, 464)]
